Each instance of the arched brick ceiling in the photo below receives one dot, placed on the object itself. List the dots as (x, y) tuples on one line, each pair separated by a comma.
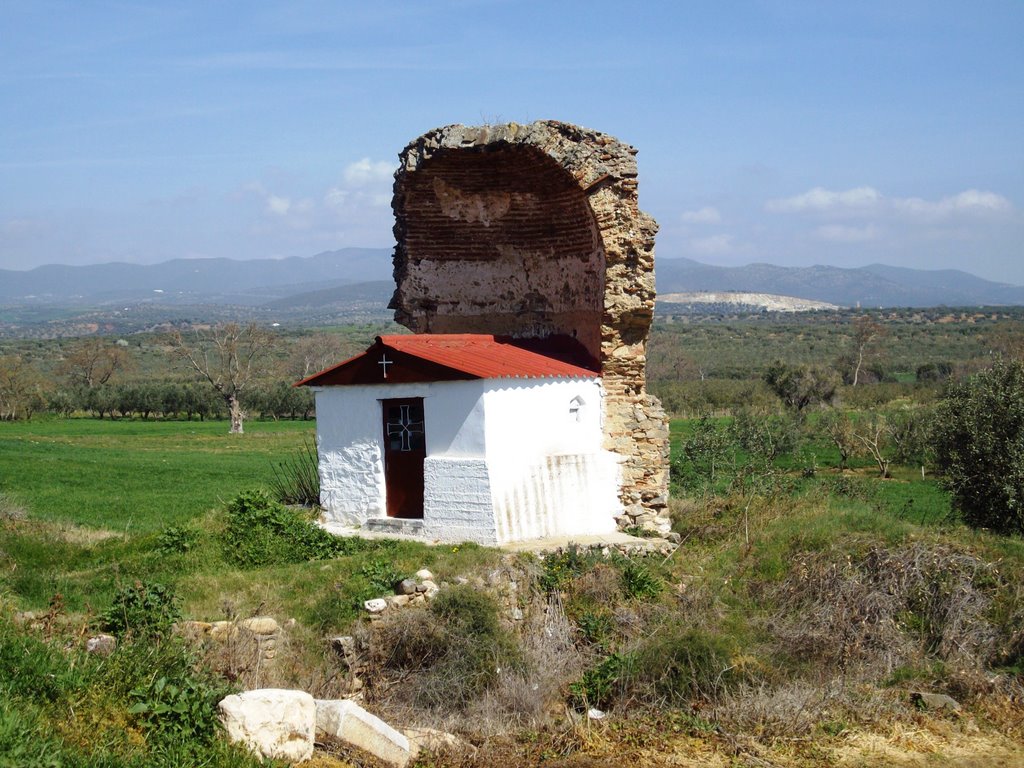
[(501, 239)]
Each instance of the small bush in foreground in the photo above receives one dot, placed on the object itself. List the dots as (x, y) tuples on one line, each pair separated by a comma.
[(678, 664), (142, 608), (176, 540), (450, 654), (262, 532)]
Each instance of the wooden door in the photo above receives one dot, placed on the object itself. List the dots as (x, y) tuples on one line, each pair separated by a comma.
[(405, 447)]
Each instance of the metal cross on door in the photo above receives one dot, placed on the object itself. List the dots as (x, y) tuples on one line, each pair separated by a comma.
[(404, 451)]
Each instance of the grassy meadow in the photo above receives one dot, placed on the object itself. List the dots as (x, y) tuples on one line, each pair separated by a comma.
[(763, 637)]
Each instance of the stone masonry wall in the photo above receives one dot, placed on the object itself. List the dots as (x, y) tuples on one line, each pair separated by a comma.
[(533, 230)]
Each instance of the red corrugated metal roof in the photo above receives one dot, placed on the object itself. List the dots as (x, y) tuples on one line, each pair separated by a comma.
[(461, 356)]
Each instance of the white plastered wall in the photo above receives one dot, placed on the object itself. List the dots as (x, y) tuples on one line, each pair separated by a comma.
[(507, 459), (549, 475)]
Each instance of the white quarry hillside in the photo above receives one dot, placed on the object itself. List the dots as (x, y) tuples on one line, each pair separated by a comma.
[(768, 301)]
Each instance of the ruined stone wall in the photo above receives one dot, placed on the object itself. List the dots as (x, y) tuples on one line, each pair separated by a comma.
[(533, 230)]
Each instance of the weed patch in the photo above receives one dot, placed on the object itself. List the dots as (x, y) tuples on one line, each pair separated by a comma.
[(145, 609), (261, 532)]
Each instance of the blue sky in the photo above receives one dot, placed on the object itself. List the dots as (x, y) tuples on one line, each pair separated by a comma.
[(790, 132)]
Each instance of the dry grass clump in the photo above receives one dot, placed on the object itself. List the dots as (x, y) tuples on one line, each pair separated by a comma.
[(460, 665), (10, 510), (889, 607)]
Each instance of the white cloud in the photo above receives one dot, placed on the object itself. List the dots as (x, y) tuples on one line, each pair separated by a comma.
[(839, 233), (821, 199), (705, 215), (969, 201), (278, 205), (869, 200), (366, 172), (712, 245)]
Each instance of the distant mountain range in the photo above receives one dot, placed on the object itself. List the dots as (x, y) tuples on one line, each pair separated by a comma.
[(873, 286), (336, 280), (195, 281)]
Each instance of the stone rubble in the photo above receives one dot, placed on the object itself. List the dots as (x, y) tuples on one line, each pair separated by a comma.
[(275, 723), (264, 632), (282, 724), (345, 720), (101, 645)]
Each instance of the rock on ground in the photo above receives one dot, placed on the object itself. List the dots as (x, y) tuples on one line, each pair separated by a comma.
[(272, 722), (347, 721)]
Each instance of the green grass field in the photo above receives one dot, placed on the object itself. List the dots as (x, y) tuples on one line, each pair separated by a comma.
[(98, 495), (137, 475)]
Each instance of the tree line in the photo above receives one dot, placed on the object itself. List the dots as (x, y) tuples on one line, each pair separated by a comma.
[(223, 371)]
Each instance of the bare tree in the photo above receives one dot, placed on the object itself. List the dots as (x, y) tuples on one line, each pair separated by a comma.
[(840, 430), (866, 334), (314, 353), (92, 362), (873, 434), (21, 389), (231, 358)]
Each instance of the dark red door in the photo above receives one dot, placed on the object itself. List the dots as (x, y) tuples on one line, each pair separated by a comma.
[(404, 450)]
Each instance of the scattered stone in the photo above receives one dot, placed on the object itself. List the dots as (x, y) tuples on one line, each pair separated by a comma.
[(431, 589), (420, 588), (346, 720), (193, 629), (516, 613), (935, 701), (102, 645), (595, 714), (424, 575), (345, 645), (406, 587), (260, 625), (460, 580), (377, 605), (398, 601), (275, 723), (435, 741), (223, 630)]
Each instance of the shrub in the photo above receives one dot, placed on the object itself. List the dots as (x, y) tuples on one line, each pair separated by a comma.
[(142, 608), (564, 566), (381, 575), (176, 540), (185, 708), (639, 582), (599, 684), (978, 437), (450, 654), (678, 664), (262, 532)]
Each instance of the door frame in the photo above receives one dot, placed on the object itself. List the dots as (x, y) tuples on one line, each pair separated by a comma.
[(403, 465)]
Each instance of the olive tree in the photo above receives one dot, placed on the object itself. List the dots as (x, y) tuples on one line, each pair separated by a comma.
[(231, 358), (978, 439), (801, 386)]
